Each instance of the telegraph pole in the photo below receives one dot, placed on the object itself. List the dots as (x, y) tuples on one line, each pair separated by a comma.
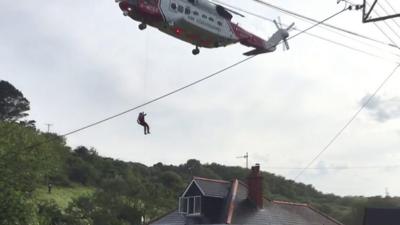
[(246, 156), (387, 193), (48, 127)]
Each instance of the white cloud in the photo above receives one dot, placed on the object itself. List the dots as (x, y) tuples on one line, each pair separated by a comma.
[(382, 110)]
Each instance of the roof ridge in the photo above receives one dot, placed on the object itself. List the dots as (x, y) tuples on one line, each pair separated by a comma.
[(310, 207), (231, 203), (212, 180), (243, 183), (289, 203)]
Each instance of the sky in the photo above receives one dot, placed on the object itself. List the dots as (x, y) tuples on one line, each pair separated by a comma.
[(78, 62)]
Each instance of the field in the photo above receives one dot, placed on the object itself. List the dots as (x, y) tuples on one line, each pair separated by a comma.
[(62, 196)]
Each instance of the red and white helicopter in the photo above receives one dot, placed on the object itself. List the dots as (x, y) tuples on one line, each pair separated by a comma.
[(199, 22)]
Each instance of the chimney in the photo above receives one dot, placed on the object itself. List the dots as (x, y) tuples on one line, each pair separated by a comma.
[(254, 182)]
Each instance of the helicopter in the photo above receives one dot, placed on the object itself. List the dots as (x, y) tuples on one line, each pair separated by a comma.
[(201, 23)]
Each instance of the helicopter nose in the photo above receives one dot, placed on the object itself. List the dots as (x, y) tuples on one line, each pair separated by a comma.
[(123, 5)]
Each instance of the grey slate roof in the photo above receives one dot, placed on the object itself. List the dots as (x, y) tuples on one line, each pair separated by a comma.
[(382, 216), (275, 213), (213, 188), (175, 218)]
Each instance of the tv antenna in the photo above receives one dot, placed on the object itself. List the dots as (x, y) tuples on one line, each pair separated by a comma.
[(387, 192), (246, 156), (48, 126)]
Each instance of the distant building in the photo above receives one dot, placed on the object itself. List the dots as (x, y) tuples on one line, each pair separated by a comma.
[(207, 201), (382, 216)]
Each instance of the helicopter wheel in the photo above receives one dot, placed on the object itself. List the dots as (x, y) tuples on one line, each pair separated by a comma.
[(142, 26), (196, 51)]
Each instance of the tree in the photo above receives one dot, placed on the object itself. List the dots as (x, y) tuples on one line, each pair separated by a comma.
[(26, 158), (13, 104)]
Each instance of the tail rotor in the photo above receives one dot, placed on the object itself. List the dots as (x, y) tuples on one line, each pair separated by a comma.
[(284, 33)]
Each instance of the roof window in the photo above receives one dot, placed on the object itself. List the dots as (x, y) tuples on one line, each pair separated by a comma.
[(190, 205)]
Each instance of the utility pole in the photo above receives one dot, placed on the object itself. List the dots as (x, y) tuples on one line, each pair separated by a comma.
[(246, 156), (48, 127)]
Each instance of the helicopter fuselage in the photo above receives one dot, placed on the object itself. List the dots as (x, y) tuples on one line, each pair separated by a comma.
[(197, 22)]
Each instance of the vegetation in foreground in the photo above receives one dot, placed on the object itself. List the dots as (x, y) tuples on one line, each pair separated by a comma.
[(90, 189)]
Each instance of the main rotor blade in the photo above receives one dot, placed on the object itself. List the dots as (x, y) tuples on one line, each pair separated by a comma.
[(227, 9), (276, 24), (286, 44), (234, 12), (290, 27)]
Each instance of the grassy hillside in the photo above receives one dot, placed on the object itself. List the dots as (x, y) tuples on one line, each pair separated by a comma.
[(63, 196)]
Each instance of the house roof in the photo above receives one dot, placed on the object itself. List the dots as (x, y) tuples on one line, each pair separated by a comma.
[(242, 211), (382, 216), (211, 188)]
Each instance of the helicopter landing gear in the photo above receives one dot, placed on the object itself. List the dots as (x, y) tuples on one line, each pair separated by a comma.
[(196, 51), (142, 26)]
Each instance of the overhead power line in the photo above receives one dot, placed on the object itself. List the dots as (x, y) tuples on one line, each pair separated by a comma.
[(335, 167), (381, 30), (337, 135), (386, 23), (318, 36), (190, 84), (390, 5), (388, 13), (160, 97), (286, 11), (384, 33), (174, 91)]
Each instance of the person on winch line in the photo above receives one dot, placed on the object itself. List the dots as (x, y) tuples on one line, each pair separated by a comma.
[(143, 123)]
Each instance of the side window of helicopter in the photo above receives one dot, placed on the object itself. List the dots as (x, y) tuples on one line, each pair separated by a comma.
[(180, 8), (195, 13), (219, 23), (211, 19), (173, 6), (187, 11), (204, 16)]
